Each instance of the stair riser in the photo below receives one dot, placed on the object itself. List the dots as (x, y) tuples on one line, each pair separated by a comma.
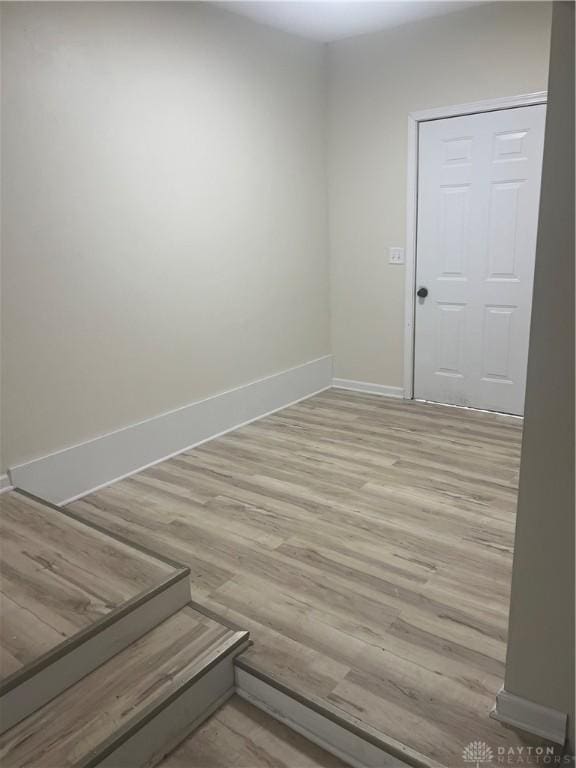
[(70, 662)]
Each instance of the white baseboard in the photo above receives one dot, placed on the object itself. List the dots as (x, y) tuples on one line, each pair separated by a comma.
[(5, 484), (365, 386), (67, 475), (357, 748), (528, 716)]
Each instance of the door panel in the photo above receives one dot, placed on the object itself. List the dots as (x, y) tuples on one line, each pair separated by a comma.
[(502, 228), (451, 324), (454, 215), (496, 342), (478, 192)]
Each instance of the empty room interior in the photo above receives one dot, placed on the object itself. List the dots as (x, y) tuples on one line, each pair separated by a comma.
[(287, 384)]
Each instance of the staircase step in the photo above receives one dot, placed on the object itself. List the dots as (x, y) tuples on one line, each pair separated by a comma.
[(136, 707), (72, 596)]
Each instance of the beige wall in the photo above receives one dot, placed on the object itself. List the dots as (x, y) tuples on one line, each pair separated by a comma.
[(540, 662), (376, 80), (164, 213), (164, 199)]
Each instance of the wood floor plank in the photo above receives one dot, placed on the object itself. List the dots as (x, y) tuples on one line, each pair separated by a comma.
[(242, 736), (365, 542)]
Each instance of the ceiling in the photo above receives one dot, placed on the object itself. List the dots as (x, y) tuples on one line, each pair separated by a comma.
[(329, 20)]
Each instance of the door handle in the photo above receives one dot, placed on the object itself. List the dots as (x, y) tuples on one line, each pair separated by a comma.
[(422, 292)]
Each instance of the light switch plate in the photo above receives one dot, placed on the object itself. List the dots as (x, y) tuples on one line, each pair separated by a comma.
[(396, 255)]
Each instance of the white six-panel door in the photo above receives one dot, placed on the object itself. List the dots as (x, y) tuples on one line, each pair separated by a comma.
[(478, 193)]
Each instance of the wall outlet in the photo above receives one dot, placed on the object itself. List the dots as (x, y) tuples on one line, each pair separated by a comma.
[(396, 255)]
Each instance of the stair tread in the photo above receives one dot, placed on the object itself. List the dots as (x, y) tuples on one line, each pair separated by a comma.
[(77, 722), (58, 577)]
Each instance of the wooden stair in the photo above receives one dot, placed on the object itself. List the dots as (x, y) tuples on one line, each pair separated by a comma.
[(104, 659), (136, 707), (72, 597)]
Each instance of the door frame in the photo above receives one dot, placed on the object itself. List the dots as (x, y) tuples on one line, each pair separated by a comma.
[(414, 120)]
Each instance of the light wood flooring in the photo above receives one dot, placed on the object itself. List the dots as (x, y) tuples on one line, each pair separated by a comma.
[(242, 736), (59, 576), (365, 542)]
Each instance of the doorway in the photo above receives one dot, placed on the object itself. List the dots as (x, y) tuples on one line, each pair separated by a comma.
[(478, 186)]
